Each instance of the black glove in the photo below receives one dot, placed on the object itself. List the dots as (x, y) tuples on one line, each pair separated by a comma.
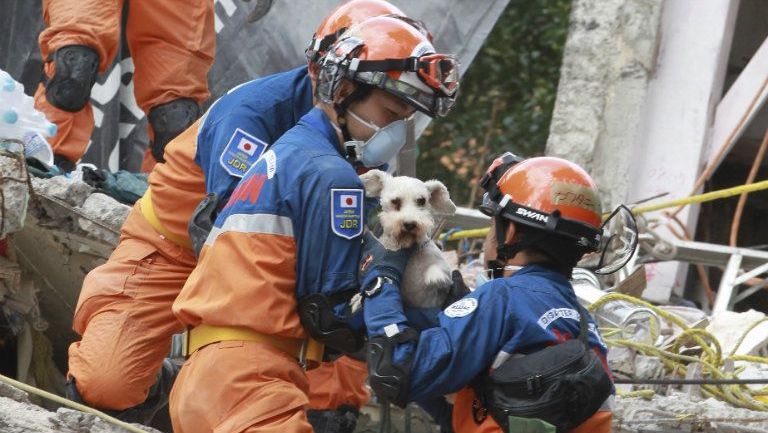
[(458, 289)]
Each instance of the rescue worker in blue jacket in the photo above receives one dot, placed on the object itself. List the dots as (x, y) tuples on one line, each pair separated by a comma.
[(546, 216), (283, 252)]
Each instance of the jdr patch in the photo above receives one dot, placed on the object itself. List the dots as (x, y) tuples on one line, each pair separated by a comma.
[(241, 152), (347, 212)]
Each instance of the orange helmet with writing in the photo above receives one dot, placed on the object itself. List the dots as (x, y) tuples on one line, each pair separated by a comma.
[(551, 194)]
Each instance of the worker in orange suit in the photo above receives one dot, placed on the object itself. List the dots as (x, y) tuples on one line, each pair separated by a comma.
[(124, 310), (172, 44), (280, 264)]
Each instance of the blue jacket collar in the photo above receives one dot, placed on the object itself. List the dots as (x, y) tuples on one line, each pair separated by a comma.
[(316, 119)]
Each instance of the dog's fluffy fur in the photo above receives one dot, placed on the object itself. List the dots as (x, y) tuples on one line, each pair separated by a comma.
[(407, 217)]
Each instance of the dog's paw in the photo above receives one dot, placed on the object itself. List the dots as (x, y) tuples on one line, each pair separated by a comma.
[(437, 276), (356, 303)]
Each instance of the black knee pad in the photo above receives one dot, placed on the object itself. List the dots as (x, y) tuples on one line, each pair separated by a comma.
[(76, 68), (169, 120), (341, 420)]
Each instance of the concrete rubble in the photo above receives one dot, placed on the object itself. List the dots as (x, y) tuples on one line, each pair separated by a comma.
[(72, 205), (19, 415), (14, 194), (681, 413)]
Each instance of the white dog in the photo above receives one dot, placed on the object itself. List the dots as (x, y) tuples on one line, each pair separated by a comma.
[(407, 217)]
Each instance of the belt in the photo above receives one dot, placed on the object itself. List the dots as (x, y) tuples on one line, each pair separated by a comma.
[(308, 351), (148, 210)]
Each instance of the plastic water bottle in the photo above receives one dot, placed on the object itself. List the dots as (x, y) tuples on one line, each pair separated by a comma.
[(19, 120)]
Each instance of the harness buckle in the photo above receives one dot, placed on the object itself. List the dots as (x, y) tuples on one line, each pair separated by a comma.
[(533, 384)]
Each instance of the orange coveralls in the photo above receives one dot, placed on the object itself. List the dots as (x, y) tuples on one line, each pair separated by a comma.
[(276, 241), (124, 311), (172, 45)]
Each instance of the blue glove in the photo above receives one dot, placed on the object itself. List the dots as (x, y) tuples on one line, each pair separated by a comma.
[(422, 318), (377, 261)]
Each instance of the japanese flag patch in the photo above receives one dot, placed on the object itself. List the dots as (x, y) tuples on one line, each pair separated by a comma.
[(347, 212), (241, 152)]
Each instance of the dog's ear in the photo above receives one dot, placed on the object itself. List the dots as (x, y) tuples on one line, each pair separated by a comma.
[(373, 182), (439, 198)]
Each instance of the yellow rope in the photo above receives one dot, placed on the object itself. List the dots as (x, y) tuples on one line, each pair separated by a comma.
[(63, 401), (701, 198), (694, 199), (642, 393), (710, 357)]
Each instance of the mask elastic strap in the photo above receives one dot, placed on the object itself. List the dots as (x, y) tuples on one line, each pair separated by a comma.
[(360, 92), (370, 125)]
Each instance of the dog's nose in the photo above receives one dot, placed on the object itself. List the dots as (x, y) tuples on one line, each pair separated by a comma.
[(409, 226)]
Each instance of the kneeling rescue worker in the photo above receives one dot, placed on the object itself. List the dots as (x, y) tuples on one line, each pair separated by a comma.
[(520, 351), (280, 265), (124, 310)]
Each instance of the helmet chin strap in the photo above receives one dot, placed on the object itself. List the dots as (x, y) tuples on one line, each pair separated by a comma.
[(505, 251)]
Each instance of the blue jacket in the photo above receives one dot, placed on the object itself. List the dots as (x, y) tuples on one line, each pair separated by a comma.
[(523, 313), (259, 112)]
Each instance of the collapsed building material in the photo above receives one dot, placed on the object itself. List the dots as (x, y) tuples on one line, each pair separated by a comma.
[(14, 194), (70, 229), (741, 333), (75, 207), (680, 413), (103, 216), (19, 415)]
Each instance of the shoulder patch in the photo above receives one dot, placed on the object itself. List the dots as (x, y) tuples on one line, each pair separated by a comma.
[(553, 314), (462, 307), (347, 212), (241, 152)]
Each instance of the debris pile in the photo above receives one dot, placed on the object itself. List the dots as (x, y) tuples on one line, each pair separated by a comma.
[(678, 413), (74, 206), (19, 415), (14, 194)]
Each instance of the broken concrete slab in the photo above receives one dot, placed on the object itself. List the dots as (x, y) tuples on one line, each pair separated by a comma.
[(70, 191), (103, 217), (18, 415), (72, 206), (681, 413), (729, 327), (14, 195)]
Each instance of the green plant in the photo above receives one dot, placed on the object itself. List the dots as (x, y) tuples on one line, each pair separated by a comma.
[(506, 99)]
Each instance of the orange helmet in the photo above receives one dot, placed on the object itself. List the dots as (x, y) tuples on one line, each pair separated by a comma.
[(547, 193), (349, 14), (390, 54)]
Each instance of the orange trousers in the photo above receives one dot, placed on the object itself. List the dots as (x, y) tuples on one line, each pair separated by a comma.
[(463, 421), (337, 383), (237, 386), (172, 44), (124, 317)]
